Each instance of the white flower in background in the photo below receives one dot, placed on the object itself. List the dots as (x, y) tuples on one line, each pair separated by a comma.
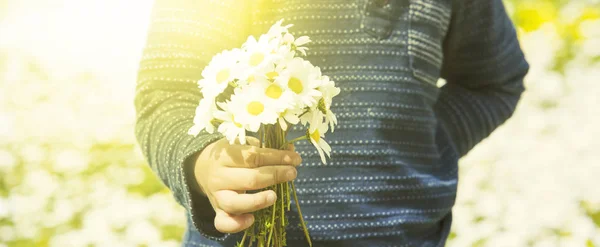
[(219, 72), (7, 160), (169, 243), (32, 153), (62, 211), (230, 128), (7, 233), (204, 117), (315, 133), (164, 210), (95, 226), (142, 232), (70, 161), (250, 109), (3, 208), (302, 78), (72, 238), (42, 183)]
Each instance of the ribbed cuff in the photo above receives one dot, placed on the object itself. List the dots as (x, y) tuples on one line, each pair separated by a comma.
[(196, 204)]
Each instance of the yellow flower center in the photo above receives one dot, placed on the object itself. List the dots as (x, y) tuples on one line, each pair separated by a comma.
[(251, 79), (295, 85), (271, 75), (256, 58), (223, 75), (255, 108), (273, 91), (315, 136)]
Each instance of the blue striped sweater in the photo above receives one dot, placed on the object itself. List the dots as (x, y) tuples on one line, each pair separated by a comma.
[(393, 175)]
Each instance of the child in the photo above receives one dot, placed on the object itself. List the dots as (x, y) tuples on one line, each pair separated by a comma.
[(393, 173)]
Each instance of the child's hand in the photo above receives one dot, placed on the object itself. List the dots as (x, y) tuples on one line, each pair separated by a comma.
[(225, 172)]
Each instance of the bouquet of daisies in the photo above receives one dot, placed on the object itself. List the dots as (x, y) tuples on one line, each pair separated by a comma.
[(265, 87)]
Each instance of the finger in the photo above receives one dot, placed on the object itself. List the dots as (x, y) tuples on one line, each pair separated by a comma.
[(251, 157), (252, 141), (227, 223), (257, 178), (234, 203), (291, 147)]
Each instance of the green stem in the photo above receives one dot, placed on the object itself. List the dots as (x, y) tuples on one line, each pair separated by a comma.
[(276, 238), (243, 239), (292, 141), (272, 222), (307, 110), (261, 136), (287, 189), (300, 215), (282, 206)]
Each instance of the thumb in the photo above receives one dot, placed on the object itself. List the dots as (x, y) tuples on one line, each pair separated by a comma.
[(227, 223), (291, 147)]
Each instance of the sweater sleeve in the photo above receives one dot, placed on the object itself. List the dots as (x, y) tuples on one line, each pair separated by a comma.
[(182, 38), (484, 69)]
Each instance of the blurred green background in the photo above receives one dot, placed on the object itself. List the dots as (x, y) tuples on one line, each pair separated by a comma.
[(71, 174)]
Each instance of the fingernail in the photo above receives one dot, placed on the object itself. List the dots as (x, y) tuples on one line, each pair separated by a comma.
[(291, 174), (271, 198)]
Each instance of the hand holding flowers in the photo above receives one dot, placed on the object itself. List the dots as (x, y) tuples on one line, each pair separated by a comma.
[(262, 89)]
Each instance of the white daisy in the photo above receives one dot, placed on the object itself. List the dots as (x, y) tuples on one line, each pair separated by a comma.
[(219, 72), (276, 95), (268, 73), (286, 54), (315, 134), (277, 30), (289, 115), (204, 117), (309, 114), (302, 40), (231, 129), (259, 55), (296, 44), (301, 77), (329, 90), (250, 108)]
